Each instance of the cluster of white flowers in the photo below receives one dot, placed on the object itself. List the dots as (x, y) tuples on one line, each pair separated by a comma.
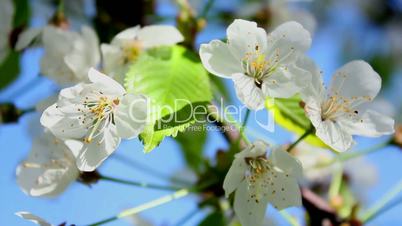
[(89, 119), (260, 66), (274, 65)]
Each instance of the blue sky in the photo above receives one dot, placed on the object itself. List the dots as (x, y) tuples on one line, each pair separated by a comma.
[(81, 204)]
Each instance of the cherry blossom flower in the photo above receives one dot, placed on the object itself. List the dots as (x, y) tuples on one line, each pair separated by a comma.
[(128, 44), (259, 179), (341, 111), (92, 118), (49, 168), (68, 54), (259, 66)]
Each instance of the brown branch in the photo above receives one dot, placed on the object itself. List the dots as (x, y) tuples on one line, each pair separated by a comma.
[(319, 211)]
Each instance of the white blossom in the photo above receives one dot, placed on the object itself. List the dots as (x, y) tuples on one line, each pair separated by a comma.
[(341, 111), (68, 54), (49, 168), (259, 66), (33, 218), (259, 179), (6, 20), (128, 44), (93, 117)]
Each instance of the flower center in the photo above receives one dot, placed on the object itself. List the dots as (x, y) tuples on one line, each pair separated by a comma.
[(100, 113), (131, 50), (258, 165), (336, 106), (256, 65)]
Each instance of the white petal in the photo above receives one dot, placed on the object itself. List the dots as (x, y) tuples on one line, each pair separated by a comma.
[(284, 190), (52, 63), (131, 115), (249, 212), (159, 35), (71, 93), (248, 92), (85, 53), (315, 89), (244, 37), (56, 69), (113, 60), (286, 82), (234, 176), (60, 124), (91, 155), (334, 135), (356, 79), (49, 169), (30, 217), (372, 124), (27, 37), (218, 60), (287, 163), (290, 34), (257, 148), (331, 133), (106, 82), (128, 34)]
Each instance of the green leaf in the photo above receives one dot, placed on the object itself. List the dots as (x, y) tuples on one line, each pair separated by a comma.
[(9, 69), (173, 78), (22, 13), (192, 142), (214, 219), (290, 115)]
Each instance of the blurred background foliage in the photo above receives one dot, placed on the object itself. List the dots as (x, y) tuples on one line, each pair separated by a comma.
[(342, 30)]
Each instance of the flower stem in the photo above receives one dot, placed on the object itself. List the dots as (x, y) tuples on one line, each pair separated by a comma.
[(379, 206), (355, 154), (243, 126), (154, 203), (157, 202), (289, 218), (60, 7), (351, 155), (149, 170), (242, 135), (206, 8), (138, 184), (305, 134)]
